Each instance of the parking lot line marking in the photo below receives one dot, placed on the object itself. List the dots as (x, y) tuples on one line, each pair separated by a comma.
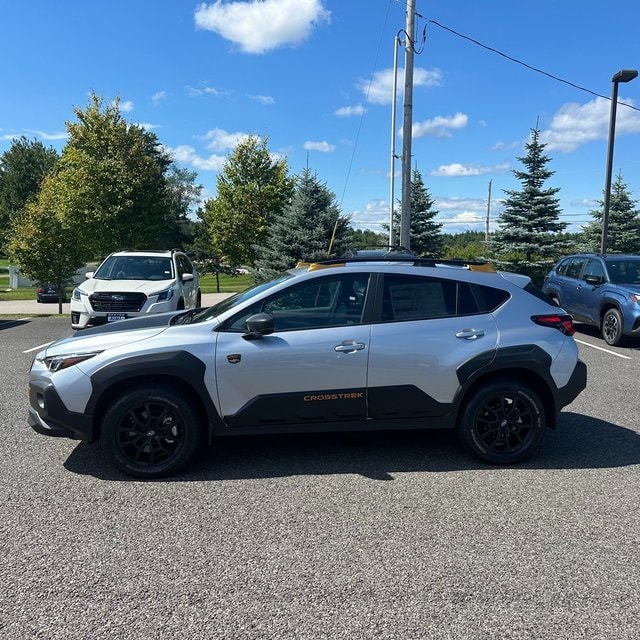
[(613, 353), (46, 344)]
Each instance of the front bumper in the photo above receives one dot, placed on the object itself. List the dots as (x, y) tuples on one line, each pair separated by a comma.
[(49, 416)]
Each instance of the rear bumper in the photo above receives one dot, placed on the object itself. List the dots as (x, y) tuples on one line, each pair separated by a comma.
[(576, 385)]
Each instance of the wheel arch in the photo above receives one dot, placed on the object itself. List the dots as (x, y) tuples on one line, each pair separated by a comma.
[(180, 371), (525, 364)]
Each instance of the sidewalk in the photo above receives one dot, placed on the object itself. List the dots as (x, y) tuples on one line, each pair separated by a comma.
[(34, 308)]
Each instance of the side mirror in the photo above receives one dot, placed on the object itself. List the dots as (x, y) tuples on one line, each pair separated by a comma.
[(594, 281), (187, 276), (89, 274), (259, 325)]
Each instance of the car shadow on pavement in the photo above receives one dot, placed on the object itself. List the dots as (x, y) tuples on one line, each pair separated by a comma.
[(10, 324), (579, 442)]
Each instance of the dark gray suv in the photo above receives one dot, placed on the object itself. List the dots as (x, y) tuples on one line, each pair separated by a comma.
[(602, 291)]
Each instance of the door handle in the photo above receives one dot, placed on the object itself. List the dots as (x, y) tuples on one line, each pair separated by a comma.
[(349, 347), (470, 334)]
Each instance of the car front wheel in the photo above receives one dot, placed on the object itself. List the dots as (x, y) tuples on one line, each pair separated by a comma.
[(612, 327), (151, 431), (502, 423)]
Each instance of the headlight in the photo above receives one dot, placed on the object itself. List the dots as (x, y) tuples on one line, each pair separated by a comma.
[(167, 294), (634, 297), (57, 363), (77, 293)]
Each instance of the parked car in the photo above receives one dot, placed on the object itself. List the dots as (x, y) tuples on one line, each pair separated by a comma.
[(49, 293), (135, 283), (347, 344), (602, 291)]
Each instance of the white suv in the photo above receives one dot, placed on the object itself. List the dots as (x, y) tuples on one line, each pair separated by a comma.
[(135, 283)]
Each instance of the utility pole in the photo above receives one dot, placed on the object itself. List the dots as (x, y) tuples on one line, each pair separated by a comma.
[(407, 126), (486, 228)]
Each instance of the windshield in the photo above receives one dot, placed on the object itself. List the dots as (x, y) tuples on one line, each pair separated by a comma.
[(135, 268), (238, 298), (624, 271)]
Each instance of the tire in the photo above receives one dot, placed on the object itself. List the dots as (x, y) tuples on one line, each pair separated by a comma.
[(180, 305), (612, 325), (503, 422), (151, 431), (198, 300)]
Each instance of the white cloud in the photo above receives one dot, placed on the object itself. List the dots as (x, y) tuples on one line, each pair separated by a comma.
[(257, 26), (457, 169), (577, 124), (323, 146), (219, 139), (158, 97), (440, 126), (374, 215), (126, 106), (195, 91), (186, 154), (42, 135), (345, 112), (265, 100), (380, 89)]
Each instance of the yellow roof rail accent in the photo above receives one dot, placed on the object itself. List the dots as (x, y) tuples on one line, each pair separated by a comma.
[(316, 266), (487, 267)]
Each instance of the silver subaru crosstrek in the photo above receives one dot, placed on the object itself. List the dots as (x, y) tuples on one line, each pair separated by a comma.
[(349, 344)]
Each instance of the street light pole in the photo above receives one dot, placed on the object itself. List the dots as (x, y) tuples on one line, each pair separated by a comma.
[(625, 75), (407, 126)]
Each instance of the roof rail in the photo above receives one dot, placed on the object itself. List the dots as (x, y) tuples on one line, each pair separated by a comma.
[(473, 265)]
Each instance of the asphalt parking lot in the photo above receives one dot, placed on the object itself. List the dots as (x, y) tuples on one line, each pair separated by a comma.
[(398, 535)]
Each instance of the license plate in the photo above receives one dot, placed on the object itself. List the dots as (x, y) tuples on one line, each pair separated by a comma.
[(113, 317)]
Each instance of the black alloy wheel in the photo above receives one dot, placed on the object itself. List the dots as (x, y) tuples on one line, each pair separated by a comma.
[(151, 432), (503, 422), (612, 324)]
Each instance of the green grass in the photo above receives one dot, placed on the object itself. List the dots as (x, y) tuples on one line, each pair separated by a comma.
[(228, 284)]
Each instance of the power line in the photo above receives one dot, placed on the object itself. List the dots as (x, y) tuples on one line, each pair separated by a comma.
[(524, 64)]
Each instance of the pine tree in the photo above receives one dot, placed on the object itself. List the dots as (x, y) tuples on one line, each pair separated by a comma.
[(306, 228), (529, 238), (623, 226), (425, 234)]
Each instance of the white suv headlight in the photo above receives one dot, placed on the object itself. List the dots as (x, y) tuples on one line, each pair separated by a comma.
[(78, 293), (167, 294)]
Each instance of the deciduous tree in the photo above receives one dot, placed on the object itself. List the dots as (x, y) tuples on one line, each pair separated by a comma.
[(23, 167), (252, 189)]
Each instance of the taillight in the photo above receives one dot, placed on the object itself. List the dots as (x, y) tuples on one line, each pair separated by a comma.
[(560, 321)]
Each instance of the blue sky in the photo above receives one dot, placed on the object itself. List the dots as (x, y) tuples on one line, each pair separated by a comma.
[(315, 77)]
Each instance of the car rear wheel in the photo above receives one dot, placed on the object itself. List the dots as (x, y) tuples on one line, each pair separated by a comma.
[(612, 328), (151, 431), (503, 422)]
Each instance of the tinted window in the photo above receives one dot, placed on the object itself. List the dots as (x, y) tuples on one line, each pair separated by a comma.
[(419, 298), (321, 302), (594, 269), (574, 269), (561, 267), (624, 271)]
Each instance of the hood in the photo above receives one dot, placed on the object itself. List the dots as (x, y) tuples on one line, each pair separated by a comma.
[(91, 285), (110, 335)]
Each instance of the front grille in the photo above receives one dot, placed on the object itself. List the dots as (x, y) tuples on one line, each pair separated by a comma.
[(107, 302)]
